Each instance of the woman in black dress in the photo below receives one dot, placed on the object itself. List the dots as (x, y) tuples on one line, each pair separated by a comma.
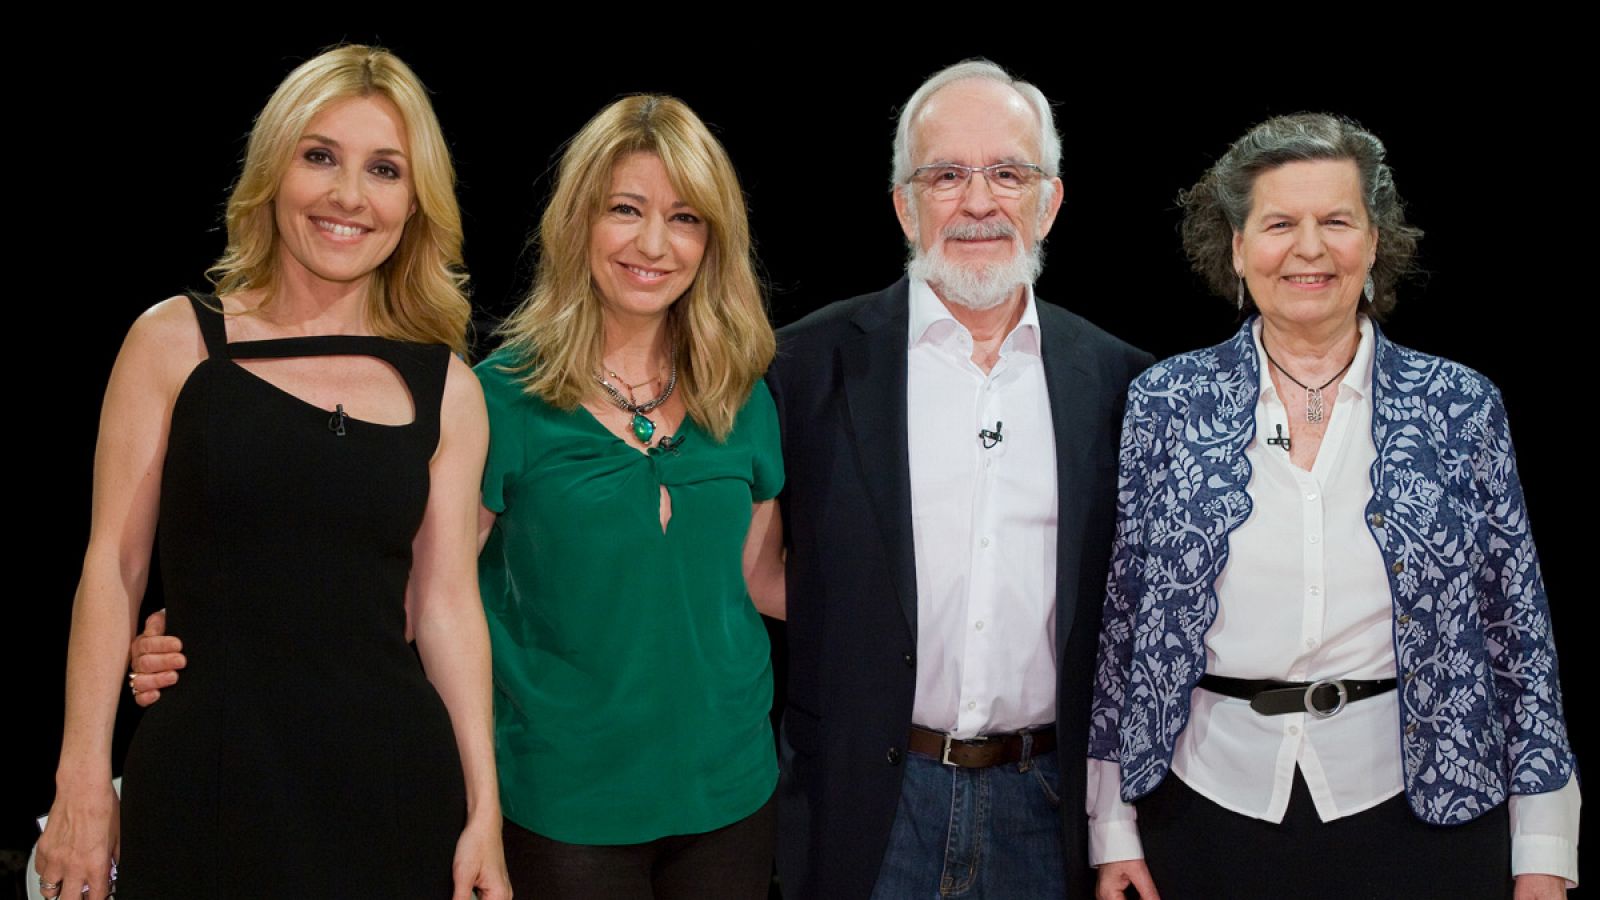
[(311, 450)]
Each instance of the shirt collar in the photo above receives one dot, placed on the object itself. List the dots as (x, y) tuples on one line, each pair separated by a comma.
[(1357, 378), (932, 322)]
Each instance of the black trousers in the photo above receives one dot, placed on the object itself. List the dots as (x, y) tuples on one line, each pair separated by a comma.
[(1197, 849), (731, 863)]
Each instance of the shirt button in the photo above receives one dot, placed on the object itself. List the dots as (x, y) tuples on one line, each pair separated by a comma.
[(1314, 591), (1311, 643), (972, 704), (1315, 538), (978, 625), (983, 542), (893, 756), (1311, 495), (1398, 567), (1294, 729)]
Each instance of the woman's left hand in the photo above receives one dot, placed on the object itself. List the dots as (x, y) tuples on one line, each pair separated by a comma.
[(480, 863), (1540, 887)]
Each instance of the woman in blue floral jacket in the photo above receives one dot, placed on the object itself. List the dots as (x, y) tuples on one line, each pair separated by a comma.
[(1325, 615)]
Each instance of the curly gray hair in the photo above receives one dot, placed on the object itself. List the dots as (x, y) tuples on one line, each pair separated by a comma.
[(1217, 205)]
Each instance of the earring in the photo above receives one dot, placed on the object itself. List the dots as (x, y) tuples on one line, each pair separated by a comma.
[(1239, 299), (1368, 289)]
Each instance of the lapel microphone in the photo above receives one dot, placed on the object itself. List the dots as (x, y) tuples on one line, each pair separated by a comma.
[(990, 438), (1279, 441)]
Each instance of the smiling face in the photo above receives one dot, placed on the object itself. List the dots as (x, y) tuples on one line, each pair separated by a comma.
[(646, 245), (975, 248), (1306, 246), (345, 198)]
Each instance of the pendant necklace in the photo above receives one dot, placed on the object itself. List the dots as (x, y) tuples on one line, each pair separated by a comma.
[(643, 429), (1315, 405)]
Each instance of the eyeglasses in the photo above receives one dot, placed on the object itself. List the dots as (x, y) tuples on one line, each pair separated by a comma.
[(1005, 179)]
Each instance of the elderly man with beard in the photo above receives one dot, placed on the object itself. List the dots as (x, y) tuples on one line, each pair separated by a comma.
[(950, 446)]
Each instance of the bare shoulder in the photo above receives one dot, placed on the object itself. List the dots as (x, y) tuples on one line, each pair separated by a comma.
[(173, 319), (164, 344), (461, 385), (463, 406)]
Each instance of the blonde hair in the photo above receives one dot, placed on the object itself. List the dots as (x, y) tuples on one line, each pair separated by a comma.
[(418, 293), (718, 328)]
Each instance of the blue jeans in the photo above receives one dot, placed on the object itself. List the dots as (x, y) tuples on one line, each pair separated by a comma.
[(990, 833)]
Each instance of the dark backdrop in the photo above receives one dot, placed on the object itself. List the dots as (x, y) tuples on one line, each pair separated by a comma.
[(122, 155)]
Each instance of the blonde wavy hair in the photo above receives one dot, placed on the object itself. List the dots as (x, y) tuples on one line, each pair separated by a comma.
[(418, 293), (719, 326)]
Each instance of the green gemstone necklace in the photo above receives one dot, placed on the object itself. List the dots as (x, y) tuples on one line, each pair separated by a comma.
[(642, 427)]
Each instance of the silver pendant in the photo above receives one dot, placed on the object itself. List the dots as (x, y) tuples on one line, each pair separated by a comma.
[(1314, 405)]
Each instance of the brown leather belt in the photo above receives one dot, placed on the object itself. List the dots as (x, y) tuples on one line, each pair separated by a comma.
[(983, 752)]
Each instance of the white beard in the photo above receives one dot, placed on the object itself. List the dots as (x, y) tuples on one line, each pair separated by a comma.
[(977, 287)]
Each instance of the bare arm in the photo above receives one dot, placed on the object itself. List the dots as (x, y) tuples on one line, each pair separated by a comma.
[(452, 638), (763, 560), (160, 349), (485, 525)]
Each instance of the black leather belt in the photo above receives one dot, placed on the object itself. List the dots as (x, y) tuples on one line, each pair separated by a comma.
[(1271, 697), (982, 752)]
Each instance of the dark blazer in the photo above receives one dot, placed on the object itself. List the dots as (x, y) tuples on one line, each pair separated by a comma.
[(839, 382)]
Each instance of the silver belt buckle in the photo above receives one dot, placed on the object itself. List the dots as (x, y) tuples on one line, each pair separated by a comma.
[(944, 757), (1338, 686)]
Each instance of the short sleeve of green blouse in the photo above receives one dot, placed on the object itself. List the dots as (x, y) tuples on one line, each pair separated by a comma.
[(606, 625), (502, 395), (759, 421)]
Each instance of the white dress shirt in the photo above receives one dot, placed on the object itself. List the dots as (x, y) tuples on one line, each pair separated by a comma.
[(1304, 597), (983, 526)]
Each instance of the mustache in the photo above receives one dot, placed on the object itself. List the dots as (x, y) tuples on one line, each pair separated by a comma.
[(978, 231)]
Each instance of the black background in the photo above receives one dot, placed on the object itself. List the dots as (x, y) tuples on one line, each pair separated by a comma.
[(122, 154)]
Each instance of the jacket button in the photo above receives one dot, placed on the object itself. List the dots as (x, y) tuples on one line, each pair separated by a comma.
[(911, 661), (1377, 520), (1405, 619), (1409, 676), (1398, 567), (1411, 728), (893, 756)]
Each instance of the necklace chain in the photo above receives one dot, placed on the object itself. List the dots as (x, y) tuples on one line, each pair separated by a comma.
[(643, 427), (1316, 406)]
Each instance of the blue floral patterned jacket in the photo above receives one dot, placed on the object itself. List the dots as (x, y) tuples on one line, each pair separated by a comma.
[(1480, 705)]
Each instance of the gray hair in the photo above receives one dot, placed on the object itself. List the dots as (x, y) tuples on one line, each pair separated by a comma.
[(1049, 138), (1217, 205)]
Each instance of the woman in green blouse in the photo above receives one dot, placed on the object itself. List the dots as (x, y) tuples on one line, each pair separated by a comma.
[(628, 493)]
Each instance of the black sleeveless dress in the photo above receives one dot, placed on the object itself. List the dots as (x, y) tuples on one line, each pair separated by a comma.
[(304, 753)]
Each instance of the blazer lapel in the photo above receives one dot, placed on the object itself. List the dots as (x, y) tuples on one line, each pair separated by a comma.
[(873, 367), (1074, 402)]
